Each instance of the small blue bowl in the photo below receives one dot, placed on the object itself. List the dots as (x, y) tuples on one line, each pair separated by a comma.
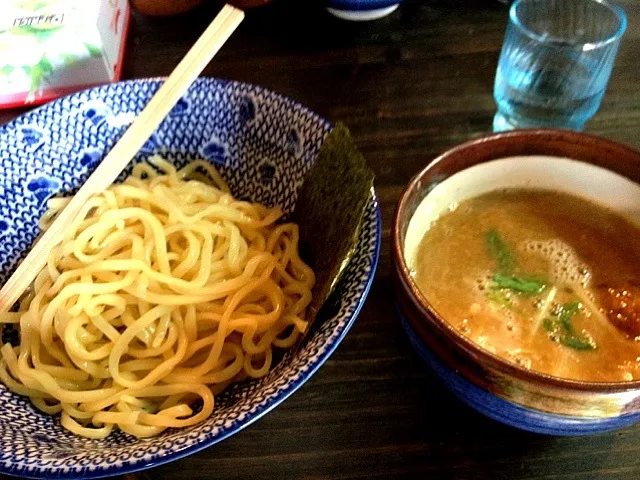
[(362, 10), (263, 144)]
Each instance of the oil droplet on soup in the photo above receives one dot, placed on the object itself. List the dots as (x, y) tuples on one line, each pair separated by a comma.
[(529, 274)]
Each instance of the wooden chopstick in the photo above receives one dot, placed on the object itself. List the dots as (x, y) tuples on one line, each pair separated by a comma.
[(125, 149)]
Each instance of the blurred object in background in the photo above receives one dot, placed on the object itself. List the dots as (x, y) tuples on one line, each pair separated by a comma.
[(361, 10), (556, 62), (164, 7), (50, 48), (249, 3), (174, 7), (354, 10)]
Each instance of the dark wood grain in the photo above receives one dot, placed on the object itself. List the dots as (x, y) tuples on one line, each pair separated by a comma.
[(409, 86)]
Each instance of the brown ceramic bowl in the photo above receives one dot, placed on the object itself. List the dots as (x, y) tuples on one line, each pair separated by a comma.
[(574, 162)]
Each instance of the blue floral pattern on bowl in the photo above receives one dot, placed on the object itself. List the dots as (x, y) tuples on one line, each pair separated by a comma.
[(246, 132)]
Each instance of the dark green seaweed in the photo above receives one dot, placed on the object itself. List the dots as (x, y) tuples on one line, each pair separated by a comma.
[(330, 210)]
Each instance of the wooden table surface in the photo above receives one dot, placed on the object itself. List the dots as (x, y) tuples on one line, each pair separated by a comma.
[(409, 86)]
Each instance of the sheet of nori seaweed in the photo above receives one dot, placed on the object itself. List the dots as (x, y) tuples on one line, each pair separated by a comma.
[(330, 210)]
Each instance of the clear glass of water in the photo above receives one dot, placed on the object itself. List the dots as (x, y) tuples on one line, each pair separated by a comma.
[(556, 62)]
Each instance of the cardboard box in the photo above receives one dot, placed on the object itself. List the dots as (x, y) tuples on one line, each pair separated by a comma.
[(50, 48)]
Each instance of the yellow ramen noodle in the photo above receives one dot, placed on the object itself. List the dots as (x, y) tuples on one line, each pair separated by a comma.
[(165, 290)]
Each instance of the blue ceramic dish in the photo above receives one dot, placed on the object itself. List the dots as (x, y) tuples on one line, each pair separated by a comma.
[(594, 168), (264, 144), (362, 10), (507, 412)]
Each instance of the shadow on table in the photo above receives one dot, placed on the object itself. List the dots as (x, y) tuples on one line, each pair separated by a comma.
[(310, 27)]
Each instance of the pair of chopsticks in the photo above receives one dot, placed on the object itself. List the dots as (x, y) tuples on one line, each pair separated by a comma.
[(125, 149)]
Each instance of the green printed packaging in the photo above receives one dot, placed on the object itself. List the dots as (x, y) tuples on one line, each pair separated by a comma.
[(50, 48)]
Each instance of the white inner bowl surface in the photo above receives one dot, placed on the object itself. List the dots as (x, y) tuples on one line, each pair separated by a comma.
[(582, 179)]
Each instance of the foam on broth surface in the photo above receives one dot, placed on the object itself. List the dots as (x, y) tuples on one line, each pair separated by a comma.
[(576, 247)]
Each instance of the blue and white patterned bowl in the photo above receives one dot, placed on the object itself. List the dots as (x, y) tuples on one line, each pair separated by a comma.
[(362, 10), (264, 144)]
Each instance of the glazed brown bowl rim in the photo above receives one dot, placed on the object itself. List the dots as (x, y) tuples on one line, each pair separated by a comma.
[(479, 354)]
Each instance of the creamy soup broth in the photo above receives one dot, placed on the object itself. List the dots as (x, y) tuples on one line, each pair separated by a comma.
[(531, 275)]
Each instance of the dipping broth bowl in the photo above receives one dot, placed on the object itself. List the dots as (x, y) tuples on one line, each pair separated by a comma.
[(596, 169)]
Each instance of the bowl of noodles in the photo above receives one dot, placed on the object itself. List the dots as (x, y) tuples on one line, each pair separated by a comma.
[(168, 317)]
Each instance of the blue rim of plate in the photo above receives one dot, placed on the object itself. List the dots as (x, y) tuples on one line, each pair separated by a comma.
[(224, 432)]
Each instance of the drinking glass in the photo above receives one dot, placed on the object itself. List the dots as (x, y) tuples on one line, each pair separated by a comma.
[(556, 62)]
